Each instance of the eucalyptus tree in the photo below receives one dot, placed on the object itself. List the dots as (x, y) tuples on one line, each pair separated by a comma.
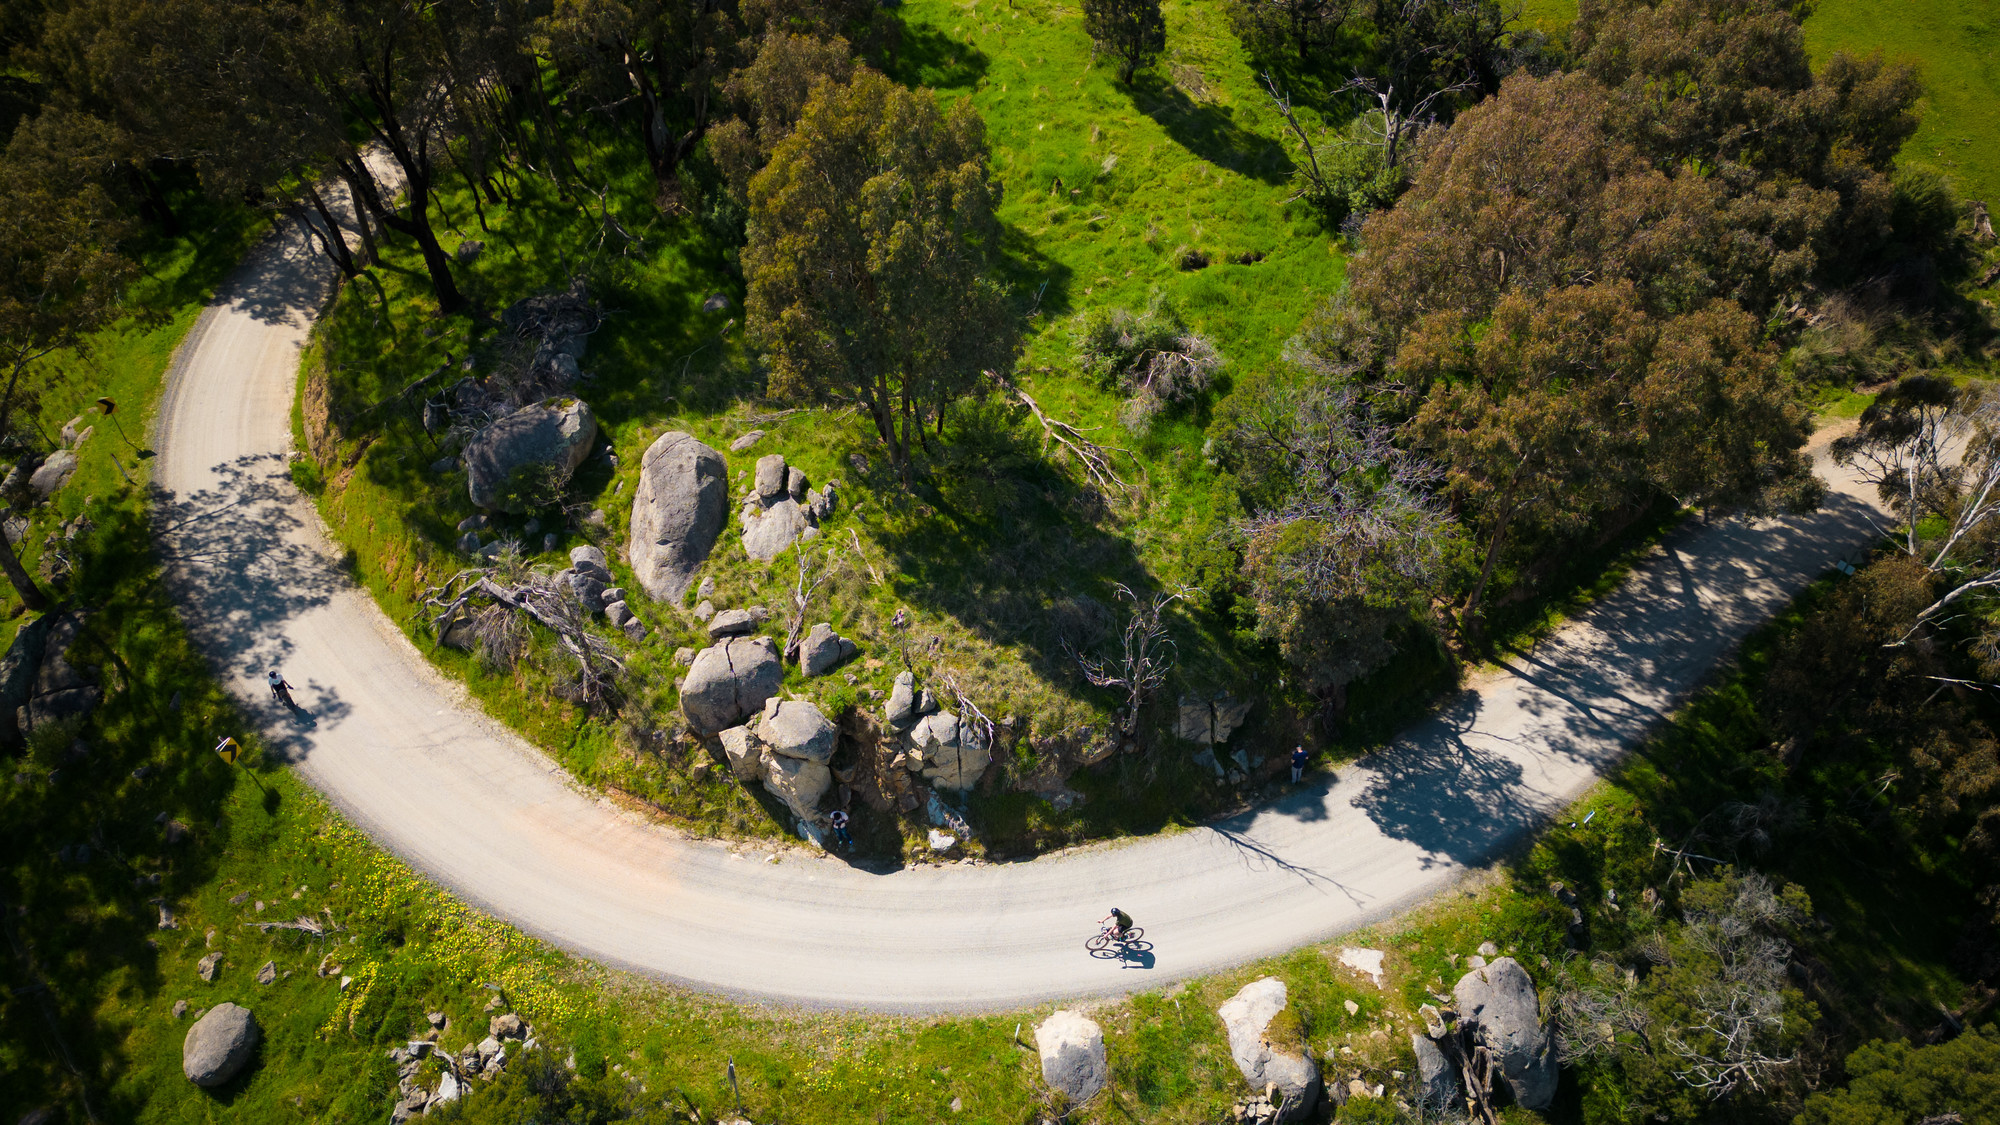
[(872, 232)]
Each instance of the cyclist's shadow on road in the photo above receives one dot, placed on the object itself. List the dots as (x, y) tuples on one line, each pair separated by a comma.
[(1131, 955)]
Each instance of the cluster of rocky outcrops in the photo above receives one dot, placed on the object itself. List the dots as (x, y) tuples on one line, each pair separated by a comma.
[(34, 479), (1496, 1013), (935, 744), (506, 1036), (39, 684), (786, 749), (782, 508), (589, 575), (1266, 1041)]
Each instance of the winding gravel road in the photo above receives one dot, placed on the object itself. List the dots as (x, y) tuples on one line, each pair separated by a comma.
[(417, 766)]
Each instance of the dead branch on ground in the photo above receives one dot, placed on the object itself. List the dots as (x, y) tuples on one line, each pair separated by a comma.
[(1095, 459)]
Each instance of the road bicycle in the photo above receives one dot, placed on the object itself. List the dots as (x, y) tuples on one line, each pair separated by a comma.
[(1108, 944)]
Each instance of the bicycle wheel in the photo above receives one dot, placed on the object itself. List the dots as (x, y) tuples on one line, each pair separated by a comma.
[(1134, 934), (1098, 944)]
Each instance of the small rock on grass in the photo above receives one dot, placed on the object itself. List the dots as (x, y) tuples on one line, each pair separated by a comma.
[(268, 973), (180, 1008), (209, 965)]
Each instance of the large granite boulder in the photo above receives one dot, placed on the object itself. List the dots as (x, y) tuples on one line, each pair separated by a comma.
[(553, 436), (771, 526), (1498, 1003), (901, 709), (1072, 1050), (772, 475), (786, 749), (797, 729), (798, 782), (731, 623), (18, 672), (677, 512), (798, 740), (948, 753), (60, 689), (742, 750), (1210, 720), (53, 474), (219, 1045), (822, 650), (1269, 1046), (729, 682)]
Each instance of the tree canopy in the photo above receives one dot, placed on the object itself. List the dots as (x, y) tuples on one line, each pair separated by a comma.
[(871, 231)]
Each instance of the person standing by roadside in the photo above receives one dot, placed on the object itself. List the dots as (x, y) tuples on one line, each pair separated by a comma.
[(838, 821), (1299, 759)]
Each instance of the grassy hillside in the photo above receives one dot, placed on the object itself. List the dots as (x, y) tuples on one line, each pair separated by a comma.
[(1185, 163)]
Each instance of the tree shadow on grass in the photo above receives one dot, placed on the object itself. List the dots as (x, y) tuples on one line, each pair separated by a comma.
[(999, 540), (1210, 131), (102, 833), (928, 57)]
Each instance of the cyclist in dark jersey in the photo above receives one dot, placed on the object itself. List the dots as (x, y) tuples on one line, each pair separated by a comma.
[(1121, 922)]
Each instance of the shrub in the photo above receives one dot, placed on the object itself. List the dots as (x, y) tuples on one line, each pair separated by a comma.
[(1151, 356)]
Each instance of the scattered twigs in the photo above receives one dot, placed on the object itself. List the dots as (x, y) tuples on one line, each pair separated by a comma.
[(304, 923), (872, 572), (1095, 459)]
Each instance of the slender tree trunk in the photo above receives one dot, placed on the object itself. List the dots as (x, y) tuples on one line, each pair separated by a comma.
[(18, 577), (362, 194), (1470, 618), (472, 184), (330, 236), (436, 262), (417, 173)]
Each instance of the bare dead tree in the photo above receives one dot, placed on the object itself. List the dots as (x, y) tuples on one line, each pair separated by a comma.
[(1906, 448), (1600, 1018), (810, 578), (1146, 657), (1728, 1033), (1318, 186), (967, 709), (1392, 123), (1902, 445)]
